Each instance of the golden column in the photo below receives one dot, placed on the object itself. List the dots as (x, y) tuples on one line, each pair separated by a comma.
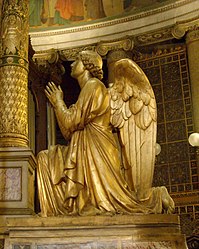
[(14, 74), (17, 162)]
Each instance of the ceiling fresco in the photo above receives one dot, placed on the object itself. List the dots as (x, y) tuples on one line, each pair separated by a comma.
[(1, 2), (50, 14)]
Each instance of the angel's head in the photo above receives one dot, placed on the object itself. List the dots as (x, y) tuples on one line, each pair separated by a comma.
[(92, 61)]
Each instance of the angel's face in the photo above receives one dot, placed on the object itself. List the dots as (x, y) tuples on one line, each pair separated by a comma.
[(77, 68)]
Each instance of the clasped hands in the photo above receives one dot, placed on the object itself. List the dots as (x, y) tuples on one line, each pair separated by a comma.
[(54, 93)]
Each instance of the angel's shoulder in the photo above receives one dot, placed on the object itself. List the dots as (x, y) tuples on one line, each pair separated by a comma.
[(95, 83)]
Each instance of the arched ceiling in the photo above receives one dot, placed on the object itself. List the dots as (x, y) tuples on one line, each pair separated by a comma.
[(147, 21), (51, 14)]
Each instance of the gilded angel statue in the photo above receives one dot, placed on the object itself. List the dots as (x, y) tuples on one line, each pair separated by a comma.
[(85, 177)]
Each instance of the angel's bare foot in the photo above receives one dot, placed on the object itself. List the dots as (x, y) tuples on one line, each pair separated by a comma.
[(167, 201)]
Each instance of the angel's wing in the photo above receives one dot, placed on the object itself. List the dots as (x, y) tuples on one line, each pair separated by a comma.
[(134, 112)]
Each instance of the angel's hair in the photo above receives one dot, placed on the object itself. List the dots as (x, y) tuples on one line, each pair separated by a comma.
[(92, 62)]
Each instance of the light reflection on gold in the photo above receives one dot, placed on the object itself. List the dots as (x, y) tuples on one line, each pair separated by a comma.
[(85, 177)]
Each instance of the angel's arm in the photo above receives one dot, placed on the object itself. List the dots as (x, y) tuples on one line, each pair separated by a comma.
[(55, 96)]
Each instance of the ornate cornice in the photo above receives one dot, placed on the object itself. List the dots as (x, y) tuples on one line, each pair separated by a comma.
[(104, 23), (180, 29), (192, 35), (154, 37), (53, 56), (71, 54), (176, 31), (125, 44), (158, 52)]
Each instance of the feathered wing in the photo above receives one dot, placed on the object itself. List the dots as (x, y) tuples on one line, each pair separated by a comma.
[(134, 113)]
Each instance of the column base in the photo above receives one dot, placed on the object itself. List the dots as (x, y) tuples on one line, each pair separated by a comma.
[(17, 181)]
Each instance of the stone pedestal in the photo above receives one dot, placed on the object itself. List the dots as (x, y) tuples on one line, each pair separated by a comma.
[(97, 232), (17, 178)]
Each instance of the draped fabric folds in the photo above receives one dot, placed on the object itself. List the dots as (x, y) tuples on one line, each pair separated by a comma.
[(85, 177)]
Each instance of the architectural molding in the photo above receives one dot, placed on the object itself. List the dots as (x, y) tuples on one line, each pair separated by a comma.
[(125, 44), (193, 35), (154, 37), (145, 25), (71, 54), (181, 28)]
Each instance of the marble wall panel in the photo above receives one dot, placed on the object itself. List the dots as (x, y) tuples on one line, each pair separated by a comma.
[(10, 184)]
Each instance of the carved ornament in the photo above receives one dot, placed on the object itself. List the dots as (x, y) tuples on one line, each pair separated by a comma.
[(105, 46), (192, 35), (180, 29), (14, 38), (71, 54), (52, 56), (50, 65), (154, 37)]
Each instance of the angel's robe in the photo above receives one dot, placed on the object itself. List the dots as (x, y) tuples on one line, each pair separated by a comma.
[(85, 176)]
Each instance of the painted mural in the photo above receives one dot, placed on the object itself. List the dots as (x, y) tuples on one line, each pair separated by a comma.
[(53, 13), (1, 2)]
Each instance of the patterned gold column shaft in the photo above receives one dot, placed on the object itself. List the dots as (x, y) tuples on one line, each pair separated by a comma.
[(14, 74), (192, 40)]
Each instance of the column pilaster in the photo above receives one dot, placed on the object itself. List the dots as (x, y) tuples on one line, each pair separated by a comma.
[(192, 41), (114, 51)]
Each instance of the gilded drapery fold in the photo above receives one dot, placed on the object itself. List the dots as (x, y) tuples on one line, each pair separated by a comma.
[(88, 170)]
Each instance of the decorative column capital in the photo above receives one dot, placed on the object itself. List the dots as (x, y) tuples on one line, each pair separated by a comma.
[(193, 35), (114, 51), (14, 30), (104, 47), (180, 29), (50, 63)]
